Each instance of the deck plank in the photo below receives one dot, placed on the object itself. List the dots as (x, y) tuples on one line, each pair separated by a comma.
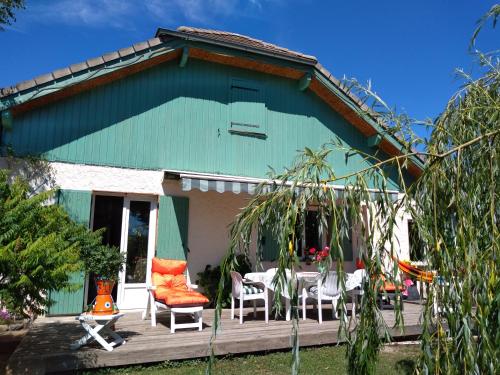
[(45, 348)]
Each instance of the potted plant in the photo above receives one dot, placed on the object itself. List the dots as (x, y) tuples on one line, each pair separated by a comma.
[(105, 262)]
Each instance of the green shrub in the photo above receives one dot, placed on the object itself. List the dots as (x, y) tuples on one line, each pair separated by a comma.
[(210, 277)]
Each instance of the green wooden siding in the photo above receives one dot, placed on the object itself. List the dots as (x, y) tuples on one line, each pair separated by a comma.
[(178, 118), (173, 220), (247, 107), (78, 205), (270, 246)]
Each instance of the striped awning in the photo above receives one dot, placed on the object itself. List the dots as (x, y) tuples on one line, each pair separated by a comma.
[(219, 186), (237, 184)]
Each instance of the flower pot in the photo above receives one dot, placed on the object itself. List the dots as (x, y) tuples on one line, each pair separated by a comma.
[(104, 304)]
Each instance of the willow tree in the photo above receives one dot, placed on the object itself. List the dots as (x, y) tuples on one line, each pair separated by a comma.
[(454, 204)]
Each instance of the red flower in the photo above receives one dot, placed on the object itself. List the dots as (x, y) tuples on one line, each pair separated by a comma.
[(312, 250), (323, 253)]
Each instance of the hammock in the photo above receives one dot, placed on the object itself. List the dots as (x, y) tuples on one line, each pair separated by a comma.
[(419, 274)]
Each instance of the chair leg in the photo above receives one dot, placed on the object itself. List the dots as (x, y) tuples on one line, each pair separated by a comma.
[(146, 312), (153, 314), (254, 308), (354, 302), (288, 308), (172, 322), (320, 312), (199, 319), (232, 307), (304, 307), (266, 308), (241, 311)]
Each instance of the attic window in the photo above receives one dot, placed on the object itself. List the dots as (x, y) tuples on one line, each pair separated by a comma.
[(247, 109)]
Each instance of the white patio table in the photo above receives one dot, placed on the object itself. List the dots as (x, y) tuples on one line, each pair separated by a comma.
[(102, 324), (306, 278), (267, 279)]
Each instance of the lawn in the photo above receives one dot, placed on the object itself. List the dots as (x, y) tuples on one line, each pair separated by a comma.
[(397, 359)]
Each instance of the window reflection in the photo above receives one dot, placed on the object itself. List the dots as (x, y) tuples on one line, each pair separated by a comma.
[(137, 245)]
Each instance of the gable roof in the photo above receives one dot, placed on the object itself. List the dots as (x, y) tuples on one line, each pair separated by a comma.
[(165, 46), (242, 40)]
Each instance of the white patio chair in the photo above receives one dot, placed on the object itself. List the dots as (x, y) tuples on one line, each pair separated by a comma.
[(270, 274), (323, 291), (354, 286), (248, 291)]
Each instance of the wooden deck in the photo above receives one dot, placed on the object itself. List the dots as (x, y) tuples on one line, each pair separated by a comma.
[(46, 347)]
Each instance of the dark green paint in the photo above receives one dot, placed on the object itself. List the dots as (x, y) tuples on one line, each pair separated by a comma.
[(173, 221), (269, 246), (172, 118), (374, 140), (78, 205), (184, 57), (305, 81)]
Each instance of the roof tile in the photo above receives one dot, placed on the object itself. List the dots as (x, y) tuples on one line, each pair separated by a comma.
[(95, 61), (126, 51), (40, 80), (244, 40), (110, 56), (59, 73), (8, 91), (140, 46), (25, 85), (75, 68), (154, 42)]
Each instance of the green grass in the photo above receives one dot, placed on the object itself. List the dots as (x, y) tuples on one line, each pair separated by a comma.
[(399, 359)]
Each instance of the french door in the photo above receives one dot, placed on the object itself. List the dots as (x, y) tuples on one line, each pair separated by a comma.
[(138, 244)]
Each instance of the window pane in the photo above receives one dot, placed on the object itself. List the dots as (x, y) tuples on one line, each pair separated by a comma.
[(312, 230), (137, 242), (416, 244)]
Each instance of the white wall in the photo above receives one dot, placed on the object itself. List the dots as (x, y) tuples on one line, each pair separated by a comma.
[(210, 213)]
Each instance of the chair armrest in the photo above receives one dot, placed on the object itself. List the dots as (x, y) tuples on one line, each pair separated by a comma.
[(192, 286)]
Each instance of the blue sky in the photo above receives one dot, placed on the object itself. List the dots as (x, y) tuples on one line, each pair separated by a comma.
[(408, 49)]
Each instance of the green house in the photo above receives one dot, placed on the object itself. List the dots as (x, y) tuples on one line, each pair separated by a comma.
[(163, 142)]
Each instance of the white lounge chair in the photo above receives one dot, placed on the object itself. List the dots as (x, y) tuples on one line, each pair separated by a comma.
[(156, 305)]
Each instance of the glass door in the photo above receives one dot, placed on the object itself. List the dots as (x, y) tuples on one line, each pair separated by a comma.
[(138, 243)]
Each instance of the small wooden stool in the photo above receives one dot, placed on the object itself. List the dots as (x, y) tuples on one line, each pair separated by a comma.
[(196, 311)]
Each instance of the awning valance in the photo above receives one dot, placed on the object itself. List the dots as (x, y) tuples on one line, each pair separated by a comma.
[(211, 182), (237, 184)]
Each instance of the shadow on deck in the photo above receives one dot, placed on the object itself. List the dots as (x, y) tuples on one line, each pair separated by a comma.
[(46, 349)]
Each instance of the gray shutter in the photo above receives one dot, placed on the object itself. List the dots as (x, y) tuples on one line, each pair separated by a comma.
[(78, 205), (173, 220)]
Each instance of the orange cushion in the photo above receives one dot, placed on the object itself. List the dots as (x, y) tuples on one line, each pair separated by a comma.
[(180, 297), (160, 279), (168, 266), (179, 281), (390, 287)]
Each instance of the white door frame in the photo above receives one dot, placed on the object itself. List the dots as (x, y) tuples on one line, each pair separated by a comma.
[(140, 288)]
